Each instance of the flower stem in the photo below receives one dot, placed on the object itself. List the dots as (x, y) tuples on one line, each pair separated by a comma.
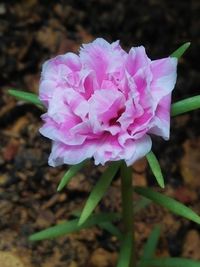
[(127, 205)]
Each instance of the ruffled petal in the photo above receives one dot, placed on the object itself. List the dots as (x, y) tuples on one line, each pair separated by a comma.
[(164, 77), (104, 108), (136, 149), (64, 154), (161, 122), (137, 59)]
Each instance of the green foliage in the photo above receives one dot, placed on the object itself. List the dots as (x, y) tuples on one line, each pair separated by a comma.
[(28, 97), (73, 226), (181, 50), (108, 226), (169, 203), (73, 170), (150, 246), (185, 105), (127, 196), (125, 251), (155, 167), (141, 204), (171, 262), (112, 229), (99, 190)]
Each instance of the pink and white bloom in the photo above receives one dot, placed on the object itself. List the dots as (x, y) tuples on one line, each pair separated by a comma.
[(105, 103)]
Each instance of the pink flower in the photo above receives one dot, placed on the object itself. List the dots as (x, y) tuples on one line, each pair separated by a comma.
[(105, 103)]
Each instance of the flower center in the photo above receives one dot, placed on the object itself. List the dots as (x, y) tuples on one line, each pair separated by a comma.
[(113, 120)]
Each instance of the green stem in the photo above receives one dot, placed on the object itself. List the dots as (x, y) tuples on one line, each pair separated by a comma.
[(127, 205)]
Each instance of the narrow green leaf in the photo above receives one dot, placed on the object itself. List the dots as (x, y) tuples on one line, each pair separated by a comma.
[(141, 204), (108, 226), (72, 226), (125, 251), (29, 97), (169, 203), (111, 228), (171, 262), (155, 167), (185, 105), (181, 50), (76, 213), (150, 246), (70, 174), (99, 190)]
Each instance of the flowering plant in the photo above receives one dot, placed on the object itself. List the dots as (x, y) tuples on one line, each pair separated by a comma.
[(105, 104)]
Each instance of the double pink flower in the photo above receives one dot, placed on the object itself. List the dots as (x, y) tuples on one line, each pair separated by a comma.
[(105, 103)]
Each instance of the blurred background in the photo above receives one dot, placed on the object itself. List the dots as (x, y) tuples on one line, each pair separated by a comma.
[(33, 31)]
